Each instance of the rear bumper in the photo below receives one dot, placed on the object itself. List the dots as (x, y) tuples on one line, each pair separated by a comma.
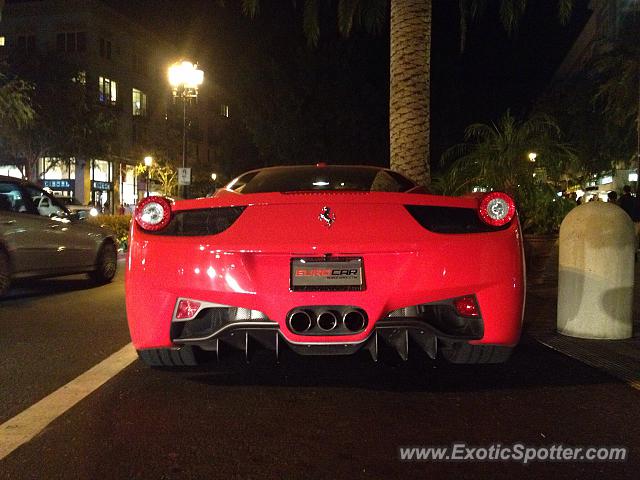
[(161, 271)]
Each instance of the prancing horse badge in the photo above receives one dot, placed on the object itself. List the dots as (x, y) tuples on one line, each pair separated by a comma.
[(327, 217)]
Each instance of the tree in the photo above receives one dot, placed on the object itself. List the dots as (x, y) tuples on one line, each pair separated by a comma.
[(66, 120), (164, 173), (617, 69), (410, 34), (599, 143), (15, 102), (496, 157)]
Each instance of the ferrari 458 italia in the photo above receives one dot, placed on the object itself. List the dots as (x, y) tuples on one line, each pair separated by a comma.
[(325, 260)]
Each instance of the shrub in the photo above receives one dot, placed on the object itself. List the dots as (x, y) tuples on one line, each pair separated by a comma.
[(119, 224)]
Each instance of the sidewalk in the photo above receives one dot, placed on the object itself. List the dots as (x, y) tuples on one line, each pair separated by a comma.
[(620, 358)]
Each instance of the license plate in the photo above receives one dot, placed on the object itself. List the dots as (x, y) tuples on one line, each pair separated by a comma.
[(317, 274)]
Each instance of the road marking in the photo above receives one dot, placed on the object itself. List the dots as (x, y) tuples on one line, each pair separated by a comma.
[(29, 423)]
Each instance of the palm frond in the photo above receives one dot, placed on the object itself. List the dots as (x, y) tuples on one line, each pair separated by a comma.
[(251, 8), (346, 15), (565, 9), (511, 12), (310, 22)]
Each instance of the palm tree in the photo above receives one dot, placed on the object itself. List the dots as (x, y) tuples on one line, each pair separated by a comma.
[(410, 62), (15, 102), (496, 156)]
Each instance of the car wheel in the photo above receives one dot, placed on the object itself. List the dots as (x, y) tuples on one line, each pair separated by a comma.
[(169, 357), (463, 353), (5, 273), (106, 264)]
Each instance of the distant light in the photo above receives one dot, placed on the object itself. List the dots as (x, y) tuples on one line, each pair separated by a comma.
[(605, 180), (148, 161), (320, 183), (1, 41), (633, 177), (532, 156), (214, 176), (559, 194), (93, 212)]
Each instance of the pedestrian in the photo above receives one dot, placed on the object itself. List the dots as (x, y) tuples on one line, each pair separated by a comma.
[(612, 196), (121, 209), (628, 203)]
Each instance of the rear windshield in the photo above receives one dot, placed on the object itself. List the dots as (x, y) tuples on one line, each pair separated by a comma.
[(311, 178)]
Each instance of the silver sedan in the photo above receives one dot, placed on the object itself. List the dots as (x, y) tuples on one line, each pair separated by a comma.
[(37, 243)]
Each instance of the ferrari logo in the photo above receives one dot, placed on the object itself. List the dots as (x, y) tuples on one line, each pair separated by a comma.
[(327, 217)]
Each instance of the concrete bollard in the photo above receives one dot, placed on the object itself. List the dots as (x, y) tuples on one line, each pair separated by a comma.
[(596, 272)]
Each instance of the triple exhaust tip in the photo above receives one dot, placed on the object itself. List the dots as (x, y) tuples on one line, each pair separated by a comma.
[(302, 321)]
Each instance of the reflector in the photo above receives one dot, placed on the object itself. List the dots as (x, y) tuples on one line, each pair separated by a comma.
[(467, 306), (187, 309)]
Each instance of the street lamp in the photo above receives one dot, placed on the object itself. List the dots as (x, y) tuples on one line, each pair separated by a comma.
[(532, 156), (185, 78), (148, 161)]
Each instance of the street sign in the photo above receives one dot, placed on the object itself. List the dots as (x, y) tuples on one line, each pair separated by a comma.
[(184, 176)]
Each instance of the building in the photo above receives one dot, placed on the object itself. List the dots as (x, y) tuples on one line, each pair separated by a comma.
[(127, 66), (608, 20)]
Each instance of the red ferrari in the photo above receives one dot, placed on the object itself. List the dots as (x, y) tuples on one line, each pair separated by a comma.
[(325, 260)]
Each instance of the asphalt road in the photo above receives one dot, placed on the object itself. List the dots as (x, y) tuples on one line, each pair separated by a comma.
[(309, 417)]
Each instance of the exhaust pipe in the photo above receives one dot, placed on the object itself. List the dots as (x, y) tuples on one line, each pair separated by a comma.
[(327, 320), (354, 320), (300, 321)]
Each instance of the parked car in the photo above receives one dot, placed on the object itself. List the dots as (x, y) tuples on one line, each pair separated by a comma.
[(325, 260), (74, 205), (40, 237)]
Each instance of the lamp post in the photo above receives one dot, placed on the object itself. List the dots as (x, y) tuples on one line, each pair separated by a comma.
[(148, 161), (185, 78)]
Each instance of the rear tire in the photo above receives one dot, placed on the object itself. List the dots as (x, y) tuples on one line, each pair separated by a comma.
[(169, 357), (5, 273), (106, 264), (463, 353)]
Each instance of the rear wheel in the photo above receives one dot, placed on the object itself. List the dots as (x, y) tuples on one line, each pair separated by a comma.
[(5, 273), (463, 353), (169, 357), (106, 264)]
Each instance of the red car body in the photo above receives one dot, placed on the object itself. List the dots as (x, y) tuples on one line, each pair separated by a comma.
[(249, 266)]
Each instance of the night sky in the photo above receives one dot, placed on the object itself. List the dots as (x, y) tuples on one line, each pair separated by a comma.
[(495, 72)]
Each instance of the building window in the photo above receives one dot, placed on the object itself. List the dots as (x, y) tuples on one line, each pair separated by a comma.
[(27, 43), (108, 93), (224, 110), (1, 41), (71, 42), (139, 100), (105, 49)]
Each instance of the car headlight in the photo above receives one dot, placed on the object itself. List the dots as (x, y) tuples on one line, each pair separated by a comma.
[(93, 212)]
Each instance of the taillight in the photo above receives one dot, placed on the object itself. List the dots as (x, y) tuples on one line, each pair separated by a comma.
[(187, 309), (467, 306), (153, 213), (496, 209)]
